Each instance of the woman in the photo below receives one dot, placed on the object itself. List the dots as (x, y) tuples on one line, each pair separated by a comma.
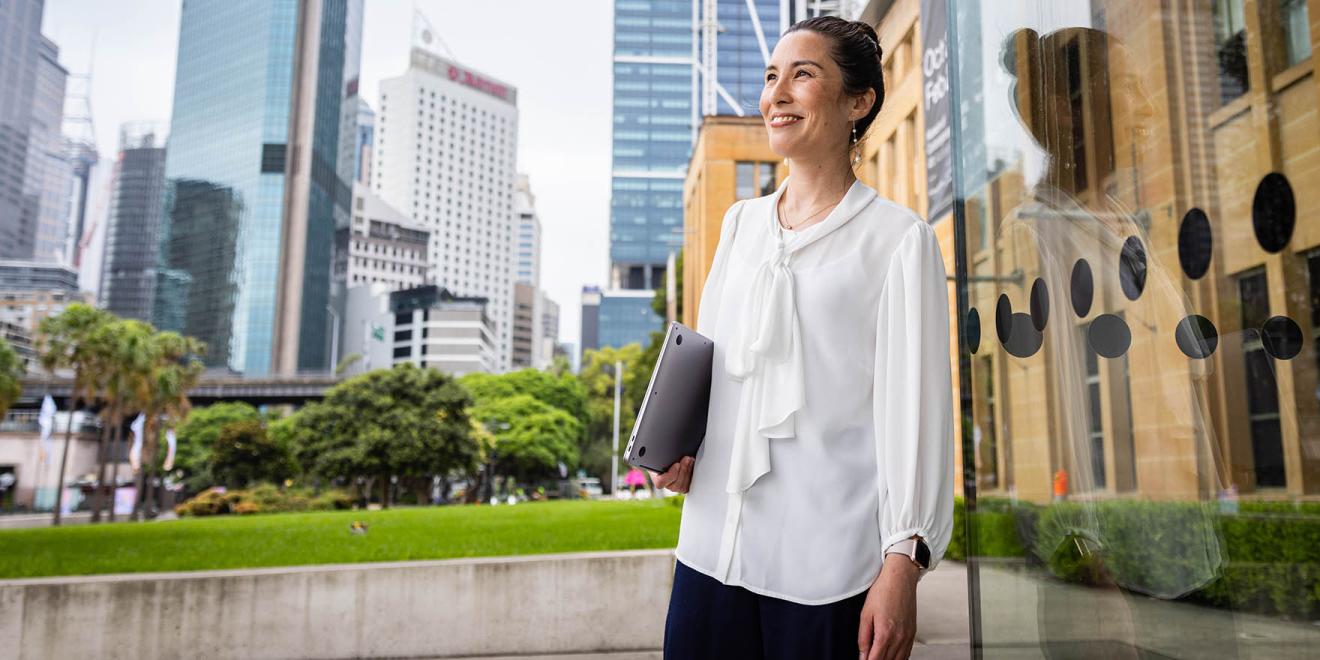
[(828, 451)]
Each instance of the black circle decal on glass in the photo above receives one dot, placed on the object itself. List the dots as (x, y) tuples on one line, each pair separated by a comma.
[(1194, 243), (1109, 336), (1273, 212), (1040, 304), (973, 330), (1282, 337), (1196, 336), (1024, 339), (1082, 288), (1003, 318), (1132, 268)]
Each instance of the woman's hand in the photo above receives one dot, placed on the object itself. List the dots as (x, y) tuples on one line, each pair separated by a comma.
[(889, 617), (677, 478)]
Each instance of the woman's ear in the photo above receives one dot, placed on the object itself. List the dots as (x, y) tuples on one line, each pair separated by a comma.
[(861, 105)]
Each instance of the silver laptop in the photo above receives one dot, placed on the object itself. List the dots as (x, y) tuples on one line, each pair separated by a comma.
[(672, 421)]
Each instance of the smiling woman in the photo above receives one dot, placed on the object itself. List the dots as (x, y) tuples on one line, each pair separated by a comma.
[(829, 437)]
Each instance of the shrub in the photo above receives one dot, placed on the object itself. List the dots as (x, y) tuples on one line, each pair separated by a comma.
[(1264, 558), (264, 498)]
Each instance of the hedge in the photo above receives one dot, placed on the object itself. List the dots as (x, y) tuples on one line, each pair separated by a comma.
[(1264, 557), (264, 498)]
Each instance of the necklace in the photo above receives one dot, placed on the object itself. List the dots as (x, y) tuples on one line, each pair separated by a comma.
[(790, 226)]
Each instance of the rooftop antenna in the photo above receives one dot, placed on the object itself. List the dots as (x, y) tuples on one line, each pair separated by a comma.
[(80, 143)]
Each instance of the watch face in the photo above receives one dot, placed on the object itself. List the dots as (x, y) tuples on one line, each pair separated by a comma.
[(923, 554)]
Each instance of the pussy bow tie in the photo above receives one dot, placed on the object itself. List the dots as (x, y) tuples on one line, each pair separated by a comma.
[(767, 357)]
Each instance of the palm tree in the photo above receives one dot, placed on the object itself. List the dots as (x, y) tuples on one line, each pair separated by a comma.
[(176, 368), (11, 371), (129, 382), (63, 342)]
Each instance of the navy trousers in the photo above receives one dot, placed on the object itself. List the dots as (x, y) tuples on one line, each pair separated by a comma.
[(709, 619)]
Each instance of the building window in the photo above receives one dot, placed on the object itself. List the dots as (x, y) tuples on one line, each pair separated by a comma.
[(1262, 392), (1295, 23), (403, 352), (753, 179), (1231, 48), (1095, 427)]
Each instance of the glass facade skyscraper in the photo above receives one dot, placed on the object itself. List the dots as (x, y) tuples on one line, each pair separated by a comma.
[(128, 267), (229, 165)]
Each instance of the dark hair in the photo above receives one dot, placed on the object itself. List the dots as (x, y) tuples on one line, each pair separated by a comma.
[(856, 49)]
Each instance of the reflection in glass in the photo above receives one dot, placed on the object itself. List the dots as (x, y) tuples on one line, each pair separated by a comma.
[(1151, 491)]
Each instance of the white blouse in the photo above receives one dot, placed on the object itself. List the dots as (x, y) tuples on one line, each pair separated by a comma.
[(830, 431)]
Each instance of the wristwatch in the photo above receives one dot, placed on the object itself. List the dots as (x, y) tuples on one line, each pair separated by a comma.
[(914, 549)]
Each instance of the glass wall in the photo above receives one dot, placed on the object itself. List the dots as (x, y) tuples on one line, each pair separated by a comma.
[(1138, 264)]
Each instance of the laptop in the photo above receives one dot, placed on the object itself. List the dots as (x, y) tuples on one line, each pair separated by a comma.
[(672, 421)]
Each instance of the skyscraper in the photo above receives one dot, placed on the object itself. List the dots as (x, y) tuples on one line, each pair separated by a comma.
[(257, 178), (366, 136), (34, 170), (128, 267), (445, 154), (49, 175)]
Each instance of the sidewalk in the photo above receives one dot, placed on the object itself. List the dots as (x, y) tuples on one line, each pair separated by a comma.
[(942, 632)]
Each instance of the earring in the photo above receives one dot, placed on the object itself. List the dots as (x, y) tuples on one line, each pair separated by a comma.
[(857, 155)]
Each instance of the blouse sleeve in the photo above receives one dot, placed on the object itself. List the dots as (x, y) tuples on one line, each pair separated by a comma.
[(708, 308), (913, 404)]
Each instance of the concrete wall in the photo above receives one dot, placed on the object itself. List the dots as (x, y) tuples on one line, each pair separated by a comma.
[(569, 603)]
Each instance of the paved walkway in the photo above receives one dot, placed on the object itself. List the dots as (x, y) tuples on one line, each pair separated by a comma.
[(941, 623)]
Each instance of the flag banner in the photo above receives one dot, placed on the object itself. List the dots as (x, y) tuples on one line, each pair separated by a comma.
[(171, 442), (46, 420), (135, 452)]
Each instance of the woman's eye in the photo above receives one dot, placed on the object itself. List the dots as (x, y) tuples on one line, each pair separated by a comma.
[(769, 77), (800, 74)]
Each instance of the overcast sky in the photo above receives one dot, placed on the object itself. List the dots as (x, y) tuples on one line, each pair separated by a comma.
[(558, 59)]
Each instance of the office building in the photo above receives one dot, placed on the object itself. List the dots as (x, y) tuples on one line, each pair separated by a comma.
[(436, 329), (49, 172), (32, 159), (32, 290), (445, 155), (258, 180), (382, 245), (132, 236), (525, 331), (366, 136), (549, 321)]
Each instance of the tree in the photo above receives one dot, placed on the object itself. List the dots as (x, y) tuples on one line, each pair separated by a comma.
[(175, 368), (11, 374), (407, 422), (245, 455), (531, 438), (197, 436), (122, 347), (597, 375), (561, 391), (63, 344)]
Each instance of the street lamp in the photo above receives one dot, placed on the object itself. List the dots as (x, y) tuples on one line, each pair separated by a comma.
[(614, 455)]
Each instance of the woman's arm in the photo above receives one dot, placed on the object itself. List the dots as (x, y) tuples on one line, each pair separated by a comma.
[(913, 415)]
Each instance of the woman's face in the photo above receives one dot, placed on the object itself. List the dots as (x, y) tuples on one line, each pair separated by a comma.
[(806, 113)]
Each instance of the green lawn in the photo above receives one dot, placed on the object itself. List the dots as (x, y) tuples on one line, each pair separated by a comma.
[(290, 539)]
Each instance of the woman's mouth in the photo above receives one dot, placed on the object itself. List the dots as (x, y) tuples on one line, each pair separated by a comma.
[(782, 120)]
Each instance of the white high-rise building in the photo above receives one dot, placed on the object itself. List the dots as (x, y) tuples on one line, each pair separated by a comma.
[(528, 246), (446, 156)]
